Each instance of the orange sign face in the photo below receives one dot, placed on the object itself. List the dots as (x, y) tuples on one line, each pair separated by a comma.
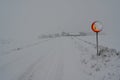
[(96, 26)]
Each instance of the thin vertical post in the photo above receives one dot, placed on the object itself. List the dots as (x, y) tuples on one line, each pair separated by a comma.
[(97, 43)]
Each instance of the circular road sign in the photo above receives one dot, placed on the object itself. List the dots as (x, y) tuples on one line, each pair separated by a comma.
[(97, 26)]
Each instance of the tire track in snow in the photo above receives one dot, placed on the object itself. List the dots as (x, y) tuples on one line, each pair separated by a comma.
[(27, 74), (49, 69), (55, 71), (60, 68)]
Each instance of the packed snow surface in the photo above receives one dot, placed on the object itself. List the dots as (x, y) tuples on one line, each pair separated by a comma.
[(63, 58)]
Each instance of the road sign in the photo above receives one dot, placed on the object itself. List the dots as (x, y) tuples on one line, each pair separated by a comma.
[(97, 27)]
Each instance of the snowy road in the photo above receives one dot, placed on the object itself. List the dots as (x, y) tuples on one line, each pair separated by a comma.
[(58, 59)]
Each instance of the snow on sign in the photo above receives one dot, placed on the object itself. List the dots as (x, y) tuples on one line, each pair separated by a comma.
[(97, 26)]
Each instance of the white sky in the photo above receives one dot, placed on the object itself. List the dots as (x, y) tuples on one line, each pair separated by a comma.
[(29, 18)]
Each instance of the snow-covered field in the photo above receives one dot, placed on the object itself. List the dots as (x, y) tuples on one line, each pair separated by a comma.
[(63, 58)]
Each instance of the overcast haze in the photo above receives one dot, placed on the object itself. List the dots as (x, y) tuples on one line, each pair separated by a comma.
[(29, 18)]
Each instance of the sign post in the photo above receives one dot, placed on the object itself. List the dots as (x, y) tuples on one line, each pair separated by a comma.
[(97, 43), (97, 27)]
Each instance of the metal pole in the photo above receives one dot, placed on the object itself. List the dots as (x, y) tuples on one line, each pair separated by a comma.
[(97, 43)]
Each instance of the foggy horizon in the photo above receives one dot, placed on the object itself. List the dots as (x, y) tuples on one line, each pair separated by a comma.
[(31, 18)]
